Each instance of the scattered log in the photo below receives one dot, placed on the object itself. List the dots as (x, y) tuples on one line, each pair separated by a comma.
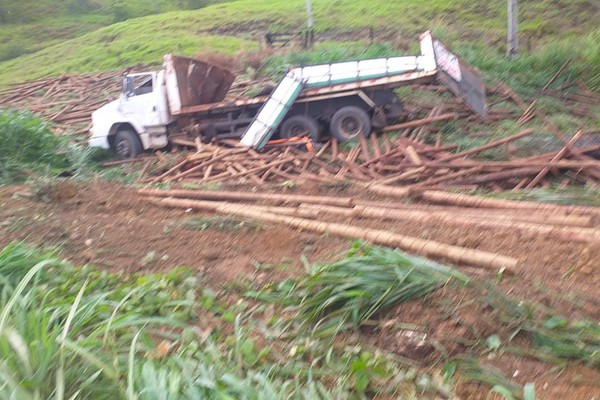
[(424, 247), (420, 122)]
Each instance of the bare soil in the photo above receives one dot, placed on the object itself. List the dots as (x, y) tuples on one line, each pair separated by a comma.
[(110, 226)]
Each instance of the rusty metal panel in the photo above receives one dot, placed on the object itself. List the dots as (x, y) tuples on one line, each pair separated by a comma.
[(192, 82), (462, 79)]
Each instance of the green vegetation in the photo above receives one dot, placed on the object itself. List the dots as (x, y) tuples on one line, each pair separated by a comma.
[(66, 330), (70, 332), (67, 44), (31, 152), (28, 145), (345, 294), (351, 292)]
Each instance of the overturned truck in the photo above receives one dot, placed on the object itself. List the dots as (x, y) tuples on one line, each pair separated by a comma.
[(343, 100)]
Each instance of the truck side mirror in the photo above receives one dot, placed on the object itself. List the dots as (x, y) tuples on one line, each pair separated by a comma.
[(128, 86)]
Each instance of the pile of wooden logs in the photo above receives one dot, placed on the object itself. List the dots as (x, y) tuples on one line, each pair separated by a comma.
[(311, 213), (416, 158), (66, 101), (379, 159)]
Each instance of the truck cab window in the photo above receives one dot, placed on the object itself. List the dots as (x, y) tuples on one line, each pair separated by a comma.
[(135, 85)]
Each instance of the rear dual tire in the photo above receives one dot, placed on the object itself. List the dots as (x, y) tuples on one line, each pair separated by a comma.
[(299, 126), (350, 123)]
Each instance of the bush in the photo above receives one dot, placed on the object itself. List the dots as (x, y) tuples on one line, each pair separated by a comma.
[(28, 147)]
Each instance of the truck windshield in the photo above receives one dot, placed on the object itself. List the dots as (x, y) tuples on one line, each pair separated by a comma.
[(135, 85)]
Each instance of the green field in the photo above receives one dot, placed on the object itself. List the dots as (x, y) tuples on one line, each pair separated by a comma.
[(50, 40)]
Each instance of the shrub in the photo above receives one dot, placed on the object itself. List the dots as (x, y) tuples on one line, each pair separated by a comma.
[(28, 147)]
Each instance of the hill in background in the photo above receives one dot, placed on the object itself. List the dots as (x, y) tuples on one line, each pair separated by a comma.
[(83, 36)]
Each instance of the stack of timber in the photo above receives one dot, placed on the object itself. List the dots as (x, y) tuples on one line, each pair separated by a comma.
[(380, 159), (414, 157), (322, 214), (68, 101)]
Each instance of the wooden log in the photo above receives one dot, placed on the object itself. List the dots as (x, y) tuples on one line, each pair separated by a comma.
[(565, 233), (145, 169), (535, 181), (446, 178), (427, 248), (375, 146), (352, 156), (402, 176), (464, 200), (334, 148), (541, 217), (556, 75), (249, 196), (364, 154), (488, 146), (413, 156), (419, 122), (500, 176), (128, 161)]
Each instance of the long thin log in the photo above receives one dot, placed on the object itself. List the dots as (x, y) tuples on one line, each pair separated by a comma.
[(579, 234), (127, 161), (535, 181), (421, 246), (464, 200), (556, 75), (488, 146), (420, 122), (249, 196), (500, 176), (545, 218)]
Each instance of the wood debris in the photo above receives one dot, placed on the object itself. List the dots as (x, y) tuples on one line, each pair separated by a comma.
[(566, 223)]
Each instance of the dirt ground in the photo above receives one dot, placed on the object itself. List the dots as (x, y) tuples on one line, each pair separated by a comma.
[(110, 226)]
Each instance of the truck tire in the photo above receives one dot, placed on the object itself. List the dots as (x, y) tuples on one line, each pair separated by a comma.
[(300, 125), (349, 123), (127, 144)]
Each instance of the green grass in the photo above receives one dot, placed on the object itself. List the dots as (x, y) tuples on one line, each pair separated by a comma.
[(69, 332), (342, 295), (231, 26), (32, 153), (116, 47), (28, 146)]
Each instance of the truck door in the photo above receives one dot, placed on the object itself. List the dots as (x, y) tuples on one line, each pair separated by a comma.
[(141, 98)]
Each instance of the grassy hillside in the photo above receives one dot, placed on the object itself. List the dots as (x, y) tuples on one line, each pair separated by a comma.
[(230, 26), (25, 29)]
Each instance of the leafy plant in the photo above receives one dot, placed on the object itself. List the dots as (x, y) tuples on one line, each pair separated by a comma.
[(70, 332), (346, 293)]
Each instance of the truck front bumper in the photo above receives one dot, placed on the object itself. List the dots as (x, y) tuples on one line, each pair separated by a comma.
[(99, 141)]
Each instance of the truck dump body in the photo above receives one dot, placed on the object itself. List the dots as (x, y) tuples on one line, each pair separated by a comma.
[(392, 81), (192, 82)]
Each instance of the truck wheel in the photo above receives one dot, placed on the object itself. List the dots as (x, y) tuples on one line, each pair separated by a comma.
[(349, 123), (300, 125), (127, 144)]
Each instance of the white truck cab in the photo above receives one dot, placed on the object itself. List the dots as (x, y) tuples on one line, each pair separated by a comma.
[(138, 120)]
